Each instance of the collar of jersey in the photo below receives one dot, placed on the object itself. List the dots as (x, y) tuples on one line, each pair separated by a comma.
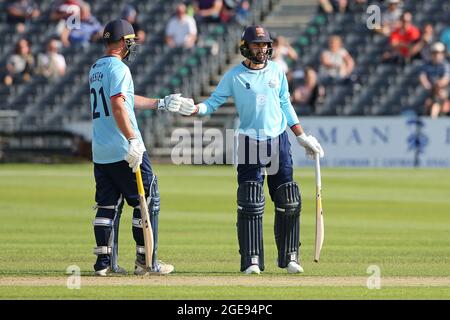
[(251, 69)]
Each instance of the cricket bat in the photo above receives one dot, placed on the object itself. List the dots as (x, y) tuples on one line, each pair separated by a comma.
[(319, 212), (145, 221)]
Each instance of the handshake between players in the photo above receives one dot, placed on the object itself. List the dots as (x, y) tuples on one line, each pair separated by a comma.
[(177, 103), (172, 103)]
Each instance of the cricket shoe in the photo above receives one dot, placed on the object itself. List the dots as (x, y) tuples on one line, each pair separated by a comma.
[(161, 269), (294, 267), (109, 272), (253, 269)]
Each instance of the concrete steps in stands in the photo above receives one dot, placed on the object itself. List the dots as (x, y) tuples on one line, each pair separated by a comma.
[(290, 17)]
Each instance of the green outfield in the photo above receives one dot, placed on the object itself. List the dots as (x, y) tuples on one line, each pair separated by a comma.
[(395, 219)]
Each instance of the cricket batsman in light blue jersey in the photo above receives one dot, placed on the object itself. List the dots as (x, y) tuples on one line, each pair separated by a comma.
[(118, 151), (261, 95)]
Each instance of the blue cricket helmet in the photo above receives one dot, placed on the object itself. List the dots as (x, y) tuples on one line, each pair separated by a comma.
[(255, 34)]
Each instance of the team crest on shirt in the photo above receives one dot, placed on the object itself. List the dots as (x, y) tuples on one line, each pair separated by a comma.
[(273, 83), (261, 99)]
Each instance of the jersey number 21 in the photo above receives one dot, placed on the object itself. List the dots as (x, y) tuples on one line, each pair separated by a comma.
[(96, 114)]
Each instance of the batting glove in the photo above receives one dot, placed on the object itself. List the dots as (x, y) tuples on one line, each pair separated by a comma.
[(170, 103), (311, 145), (187, 107), (135, 152)]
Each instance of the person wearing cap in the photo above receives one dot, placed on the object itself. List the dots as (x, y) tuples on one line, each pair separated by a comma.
[(260, 92), (435, 77), (118, 151)]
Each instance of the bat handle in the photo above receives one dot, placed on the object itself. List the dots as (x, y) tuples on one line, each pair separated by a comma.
[(318, 177), (140, 184)]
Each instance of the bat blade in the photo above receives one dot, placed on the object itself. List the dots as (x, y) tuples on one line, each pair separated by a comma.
[(320, 233), (147, 230), (319, 226), (145, 221)]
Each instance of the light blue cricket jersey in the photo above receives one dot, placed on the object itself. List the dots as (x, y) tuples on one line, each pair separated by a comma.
[(261, 98), (109, 77)]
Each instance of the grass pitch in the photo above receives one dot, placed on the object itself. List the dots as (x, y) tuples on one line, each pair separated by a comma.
[(397, 220)]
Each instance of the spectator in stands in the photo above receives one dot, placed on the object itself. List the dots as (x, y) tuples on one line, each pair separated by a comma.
[(130, 14), (281, 51), (307, 91), (207, 11), (357, 6), (336, 63), (63, 13), (235, 11), (243, 13), (333, 6), (89, 30), (181, 30), (227, 14), (19, 12), (390, 18), (435, 77), (402, 40), (20, 66), (422, 48), (51, 64), (445, 39)]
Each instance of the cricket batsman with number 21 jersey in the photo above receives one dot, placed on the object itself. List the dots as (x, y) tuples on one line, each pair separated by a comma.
[(118, 151)]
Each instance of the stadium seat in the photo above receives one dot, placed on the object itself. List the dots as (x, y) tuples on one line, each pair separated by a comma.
[(158, 70)]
